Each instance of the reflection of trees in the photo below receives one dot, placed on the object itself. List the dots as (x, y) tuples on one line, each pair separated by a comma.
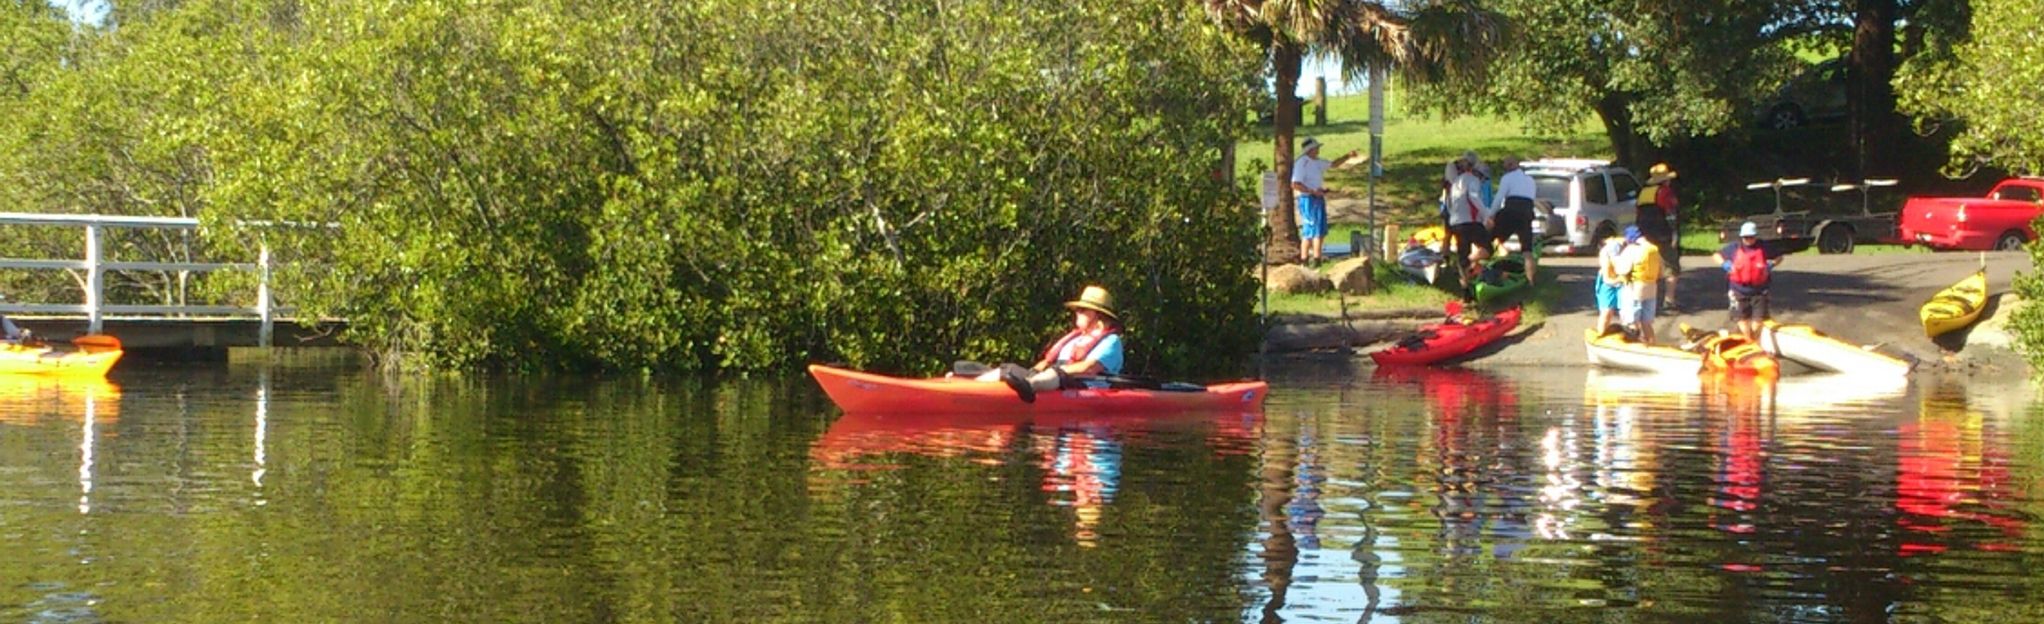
[(571, 501)]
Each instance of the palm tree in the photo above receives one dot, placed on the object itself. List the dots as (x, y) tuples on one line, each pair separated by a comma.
[(1421, 41)]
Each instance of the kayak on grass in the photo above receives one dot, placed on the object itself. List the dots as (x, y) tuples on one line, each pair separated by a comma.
[(1501, 276), (855, 391), (1447, 340)]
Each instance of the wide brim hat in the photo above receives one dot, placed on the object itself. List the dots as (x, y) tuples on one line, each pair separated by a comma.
[(1096, 299), (1661, 173), (1311, 144)]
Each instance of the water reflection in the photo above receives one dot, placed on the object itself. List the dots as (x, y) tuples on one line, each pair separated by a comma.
[(1410, 496), (1079, 456)]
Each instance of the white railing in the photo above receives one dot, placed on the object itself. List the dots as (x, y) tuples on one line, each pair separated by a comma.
[(95, 266)]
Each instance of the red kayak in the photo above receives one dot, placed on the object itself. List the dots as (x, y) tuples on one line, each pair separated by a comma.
[(854, 391), (1451, 339)]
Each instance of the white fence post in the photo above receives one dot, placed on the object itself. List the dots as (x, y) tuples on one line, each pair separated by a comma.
[(94, 296), (263, 296)]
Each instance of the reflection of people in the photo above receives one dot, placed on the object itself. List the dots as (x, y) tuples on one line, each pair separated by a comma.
[(1309, 181), (1749, 267), (1092, 348), (1088, 466)]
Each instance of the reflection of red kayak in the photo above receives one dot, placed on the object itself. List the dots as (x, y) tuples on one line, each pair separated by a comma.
[(860, 434), (1442, 341), (855, 391)]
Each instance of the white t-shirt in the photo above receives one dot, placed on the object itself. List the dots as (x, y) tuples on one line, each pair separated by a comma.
[(1467, 192), (1515, 183), (1311, 172)]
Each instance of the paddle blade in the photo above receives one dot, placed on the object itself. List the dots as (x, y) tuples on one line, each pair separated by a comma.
[(95, 343)]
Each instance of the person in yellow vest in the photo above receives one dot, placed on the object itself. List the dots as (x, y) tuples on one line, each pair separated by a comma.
[(1639, 299), (1656, 214)]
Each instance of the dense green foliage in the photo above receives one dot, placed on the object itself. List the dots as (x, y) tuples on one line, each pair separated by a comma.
[(737, 185), (1652, 72), (1988, 85)]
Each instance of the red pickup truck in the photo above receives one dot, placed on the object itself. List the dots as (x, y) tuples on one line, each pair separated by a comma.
[(2001, 220)]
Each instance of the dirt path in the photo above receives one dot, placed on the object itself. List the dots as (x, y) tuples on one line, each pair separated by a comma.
[(1870, 299)]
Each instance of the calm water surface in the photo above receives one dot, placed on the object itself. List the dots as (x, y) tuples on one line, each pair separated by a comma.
[(320, 493)]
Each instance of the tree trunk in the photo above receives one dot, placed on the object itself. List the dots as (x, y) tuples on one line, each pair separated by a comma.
[(1284, 224), (1626, 144), (1870, 86)]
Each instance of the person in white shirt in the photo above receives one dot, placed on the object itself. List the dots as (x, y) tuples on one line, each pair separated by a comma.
[(1309, 181), (1512, 214), (1466, 216)]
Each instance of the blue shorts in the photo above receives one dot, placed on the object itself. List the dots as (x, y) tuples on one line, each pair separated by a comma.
[(1607, 295), (1312, 217)]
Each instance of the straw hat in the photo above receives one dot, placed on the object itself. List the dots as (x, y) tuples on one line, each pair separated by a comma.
[(1096, 299), (1660, 172)]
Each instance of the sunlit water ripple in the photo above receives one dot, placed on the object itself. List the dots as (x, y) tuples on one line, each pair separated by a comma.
[(329, 494)]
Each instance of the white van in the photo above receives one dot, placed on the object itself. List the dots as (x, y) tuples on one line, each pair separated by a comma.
[(1579, 202)]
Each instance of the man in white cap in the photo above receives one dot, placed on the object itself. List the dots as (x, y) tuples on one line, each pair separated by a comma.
[(1309, 182), (1512, 214), (1749, 269)]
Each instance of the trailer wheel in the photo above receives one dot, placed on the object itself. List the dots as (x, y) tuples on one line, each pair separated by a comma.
[(1835, 239)]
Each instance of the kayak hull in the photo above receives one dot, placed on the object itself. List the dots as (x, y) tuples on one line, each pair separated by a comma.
[(1614, 351), (17, 359), (1955, 307), (1451, 340), (1816, 349), (855, 391)]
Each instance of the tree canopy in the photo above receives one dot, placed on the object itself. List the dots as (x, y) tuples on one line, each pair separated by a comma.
[(752, 185)]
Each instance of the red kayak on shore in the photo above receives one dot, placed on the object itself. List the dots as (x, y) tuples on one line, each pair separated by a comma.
[(1447, 340), (854, 391)]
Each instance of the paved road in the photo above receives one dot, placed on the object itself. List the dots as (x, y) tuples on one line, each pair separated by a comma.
[(1866, 298)]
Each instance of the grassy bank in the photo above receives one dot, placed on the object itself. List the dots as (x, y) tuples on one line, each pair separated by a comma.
[(1415, 149)]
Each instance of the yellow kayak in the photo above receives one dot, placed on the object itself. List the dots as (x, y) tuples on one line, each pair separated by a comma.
[(1614, 350), (1956, 306), (94, 355)]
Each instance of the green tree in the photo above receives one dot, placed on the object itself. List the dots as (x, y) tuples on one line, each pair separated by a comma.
[(1981, 85), (1653, 72), (1430, 41)]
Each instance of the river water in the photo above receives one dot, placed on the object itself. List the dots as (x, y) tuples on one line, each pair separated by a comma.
[(294, 492)]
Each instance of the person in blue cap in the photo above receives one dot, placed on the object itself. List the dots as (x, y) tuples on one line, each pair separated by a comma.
[(1640, 298), (1749, 269)]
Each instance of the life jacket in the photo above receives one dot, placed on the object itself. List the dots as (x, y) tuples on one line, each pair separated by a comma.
[(1081, 342), (1647, 269), (1749, 266), (1649, 195), (1736, 354)]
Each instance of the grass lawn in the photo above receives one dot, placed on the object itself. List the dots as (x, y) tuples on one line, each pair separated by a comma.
[(1396, 292)]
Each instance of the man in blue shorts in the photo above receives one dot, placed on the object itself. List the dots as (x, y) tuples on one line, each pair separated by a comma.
[(1309, 181)]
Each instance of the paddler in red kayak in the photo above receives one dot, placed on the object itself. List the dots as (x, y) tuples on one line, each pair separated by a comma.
[(1091, 348)]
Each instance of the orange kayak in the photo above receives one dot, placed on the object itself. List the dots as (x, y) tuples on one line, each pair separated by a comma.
[(855, 391)]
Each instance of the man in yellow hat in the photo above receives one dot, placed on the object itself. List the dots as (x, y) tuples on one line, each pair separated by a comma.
[(1656, 214), (1092, 348)]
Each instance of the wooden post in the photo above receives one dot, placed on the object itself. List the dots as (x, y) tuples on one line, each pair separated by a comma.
[(1320, 101), (1390, 242)]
